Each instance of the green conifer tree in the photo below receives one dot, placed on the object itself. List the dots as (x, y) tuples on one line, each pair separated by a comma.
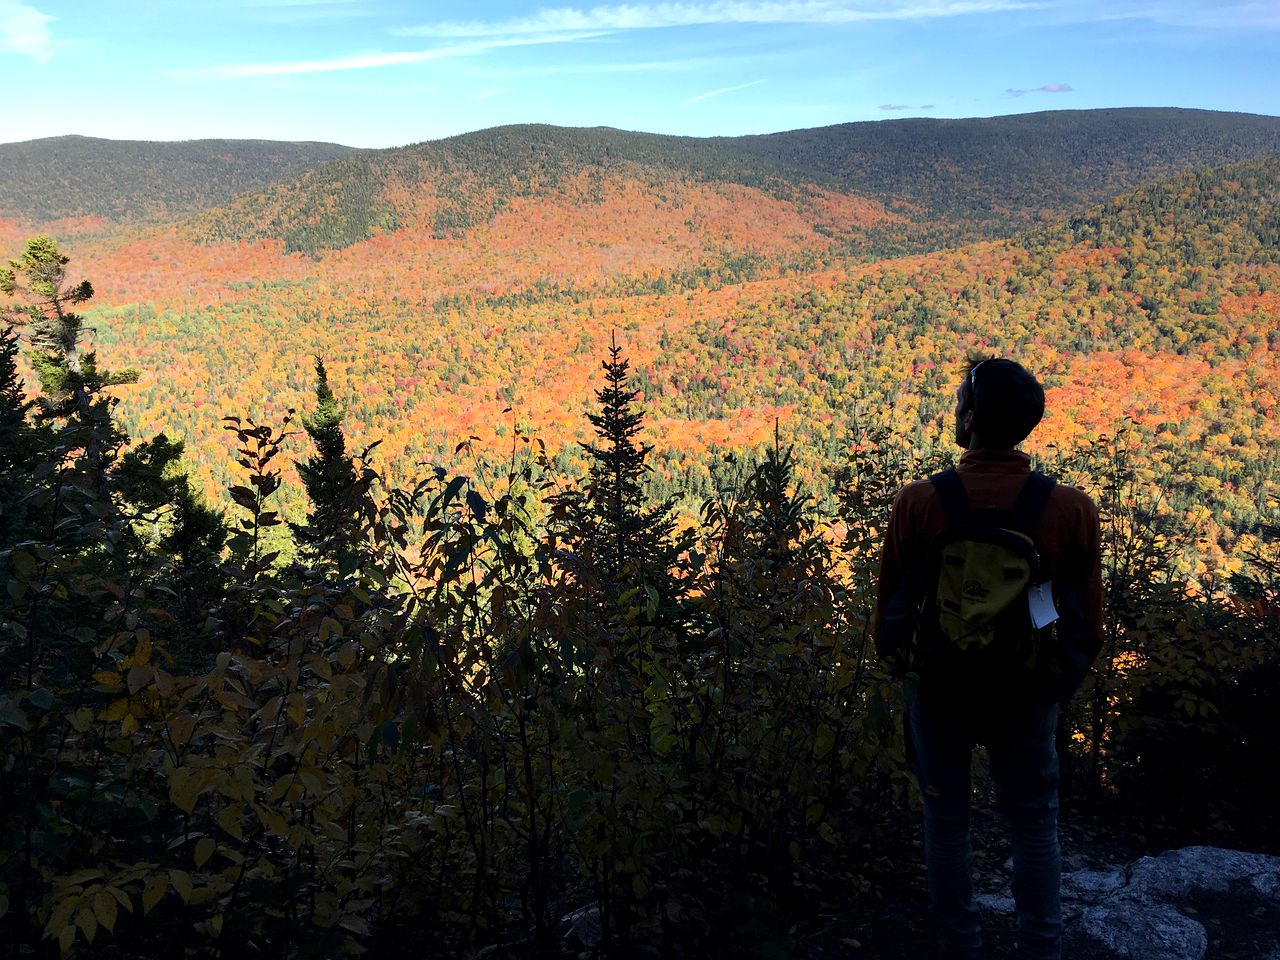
[(22, 444), (336, 488), (171, 520), (622, 535)]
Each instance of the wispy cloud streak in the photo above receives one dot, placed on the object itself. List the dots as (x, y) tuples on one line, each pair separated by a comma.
[(723, 90), (648, 16), (372, 60), (25, 30), (1047, 88)]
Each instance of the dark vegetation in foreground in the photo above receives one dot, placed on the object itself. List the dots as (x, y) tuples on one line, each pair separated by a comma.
[(430, 720)]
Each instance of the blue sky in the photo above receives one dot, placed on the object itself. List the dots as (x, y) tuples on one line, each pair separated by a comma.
[(388, 72)]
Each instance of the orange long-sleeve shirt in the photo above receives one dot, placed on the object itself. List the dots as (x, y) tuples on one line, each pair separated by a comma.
[(1066, 536)]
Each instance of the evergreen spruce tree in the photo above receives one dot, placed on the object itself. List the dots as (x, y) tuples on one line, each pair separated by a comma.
[(625, 537), (22, 444), (131, 518), (172, 521), (336, 488)]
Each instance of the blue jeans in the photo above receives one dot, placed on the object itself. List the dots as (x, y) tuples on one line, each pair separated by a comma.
[(1024, 765)]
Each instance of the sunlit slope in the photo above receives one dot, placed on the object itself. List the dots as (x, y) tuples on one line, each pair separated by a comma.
[(108, 182), (449, 188), (943, 181), (1160, 306)]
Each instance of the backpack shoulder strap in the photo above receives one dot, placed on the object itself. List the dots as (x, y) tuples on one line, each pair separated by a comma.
[(955, 502), (1031, 502)]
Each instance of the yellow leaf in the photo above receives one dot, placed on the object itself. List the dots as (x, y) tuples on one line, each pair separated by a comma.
[(229, 820), (183, 789), (66, 937), (181, 881), (87, 922), (142, 652), (202, 895), (83, 876), (108, 680), (104, 908), (321, 666), (116, 710), (63, 911), (153, 892), (122, 898), (204, 850), (273, 821)]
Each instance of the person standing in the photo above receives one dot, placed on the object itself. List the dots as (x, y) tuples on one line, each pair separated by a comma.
[(978, 672)]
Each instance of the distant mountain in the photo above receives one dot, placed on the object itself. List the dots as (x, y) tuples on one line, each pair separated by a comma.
[(133, 181), (875, 189), (947, 181), (985, 175), (450, 186)]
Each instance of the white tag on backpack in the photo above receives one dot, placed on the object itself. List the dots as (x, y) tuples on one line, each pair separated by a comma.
[(1040, 603)]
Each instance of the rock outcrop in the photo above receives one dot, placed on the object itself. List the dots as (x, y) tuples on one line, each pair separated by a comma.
[(1152, 910)]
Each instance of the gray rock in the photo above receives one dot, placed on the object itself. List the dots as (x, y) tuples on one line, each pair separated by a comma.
[(1092, 886), (1267, 884), (1180, 873), (1137, 930)]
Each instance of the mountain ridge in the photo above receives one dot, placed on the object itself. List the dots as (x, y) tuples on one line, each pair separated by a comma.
[(944, 182), (129, 182), (954, 180)]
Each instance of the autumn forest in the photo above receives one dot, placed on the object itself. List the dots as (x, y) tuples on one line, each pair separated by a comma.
[(411, 552)]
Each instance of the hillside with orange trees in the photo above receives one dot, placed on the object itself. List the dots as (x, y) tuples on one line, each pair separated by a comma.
[(742, 293), (1159, 308), (443, 701)]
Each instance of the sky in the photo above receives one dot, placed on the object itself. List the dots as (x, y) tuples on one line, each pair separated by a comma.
[(383, 73)]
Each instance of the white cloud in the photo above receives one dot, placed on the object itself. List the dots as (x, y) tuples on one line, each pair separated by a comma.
[(25, 30), (648, 16), (1047, 88), (369, 61), (723, 90), (682, 65)]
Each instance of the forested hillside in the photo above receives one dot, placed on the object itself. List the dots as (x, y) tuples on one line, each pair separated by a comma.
[(946, 181), (1158, 307), (988, 177), (134, 182)]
